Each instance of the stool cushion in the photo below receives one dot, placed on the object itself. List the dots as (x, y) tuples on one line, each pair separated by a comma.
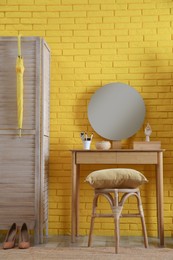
[(116, 178)]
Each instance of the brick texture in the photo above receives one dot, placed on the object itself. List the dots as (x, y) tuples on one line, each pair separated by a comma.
[(94, 42)]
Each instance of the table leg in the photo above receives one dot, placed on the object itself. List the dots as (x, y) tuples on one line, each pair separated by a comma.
[(159, 183), (73, 198), (77, 199)]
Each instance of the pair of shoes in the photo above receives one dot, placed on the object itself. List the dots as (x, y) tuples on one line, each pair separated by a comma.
[(10, 238)]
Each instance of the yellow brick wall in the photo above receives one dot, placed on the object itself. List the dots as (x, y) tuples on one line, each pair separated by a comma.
[(94, 42)]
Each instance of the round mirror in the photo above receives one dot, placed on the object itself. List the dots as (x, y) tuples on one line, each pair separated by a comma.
[(116, 111)]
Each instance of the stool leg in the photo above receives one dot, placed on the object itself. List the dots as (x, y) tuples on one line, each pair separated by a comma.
[(141, 211), (117, 209), (117, 234), (90, 232), (92, 219)]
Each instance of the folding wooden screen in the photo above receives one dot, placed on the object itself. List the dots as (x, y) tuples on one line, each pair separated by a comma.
[(24, 160)]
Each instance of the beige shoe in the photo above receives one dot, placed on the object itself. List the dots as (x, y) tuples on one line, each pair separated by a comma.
[(24, 237), (10, 238)]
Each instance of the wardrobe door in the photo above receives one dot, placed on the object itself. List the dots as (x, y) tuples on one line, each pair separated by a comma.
[(24, 160)]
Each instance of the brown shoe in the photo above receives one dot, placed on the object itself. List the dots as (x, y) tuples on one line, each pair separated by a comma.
[(10, 238), (24, 237)]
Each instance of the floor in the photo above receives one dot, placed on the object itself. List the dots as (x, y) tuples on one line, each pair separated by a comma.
[(102, 241), (98, 241)]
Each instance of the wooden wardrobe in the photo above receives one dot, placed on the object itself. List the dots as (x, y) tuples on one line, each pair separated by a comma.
[(24, 160)]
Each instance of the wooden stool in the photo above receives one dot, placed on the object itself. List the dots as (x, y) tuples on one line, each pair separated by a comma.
[(117, 207)]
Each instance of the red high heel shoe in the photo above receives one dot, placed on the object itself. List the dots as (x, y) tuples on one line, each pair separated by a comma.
[(10, 238)]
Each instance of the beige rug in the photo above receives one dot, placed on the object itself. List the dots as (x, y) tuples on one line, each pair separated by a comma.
[(83, 253)]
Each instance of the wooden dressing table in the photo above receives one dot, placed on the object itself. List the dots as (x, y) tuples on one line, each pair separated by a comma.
[(121, 156)]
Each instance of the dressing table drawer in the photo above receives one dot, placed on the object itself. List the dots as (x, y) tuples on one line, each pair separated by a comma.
[(95, 158), (137, 157)]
